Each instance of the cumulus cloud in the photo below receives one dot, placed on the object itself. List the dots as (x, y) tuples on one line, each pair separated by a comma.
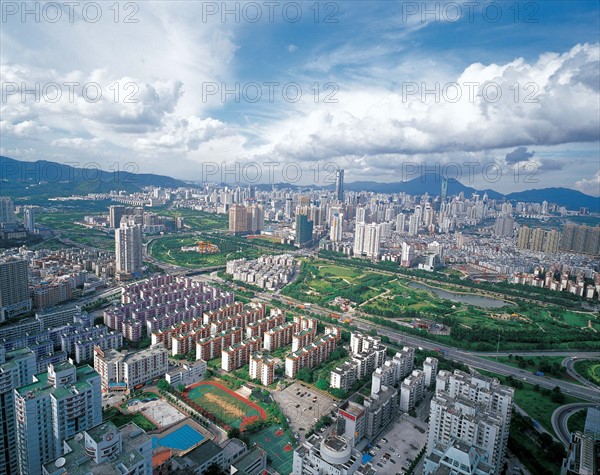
[(589, 186)]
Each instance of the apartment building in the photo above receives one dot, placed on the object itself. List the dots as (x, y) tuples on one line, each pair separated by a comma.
[(279, 336), (262, 367), (412, 390), (127, 371), (58, 404), (309, 356), (210, 347), (235, 356)]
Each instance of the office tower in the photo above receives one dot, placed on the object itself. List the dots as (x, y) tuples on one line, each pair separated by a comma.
[(29, 218), (115, 213), (337, 221), (238, 219), (339, 185), (128, 248), (57, 405), (304, 229), (7, 210), (504, 225), (468, 412), (17, 369), (372, 240), (14, 288)]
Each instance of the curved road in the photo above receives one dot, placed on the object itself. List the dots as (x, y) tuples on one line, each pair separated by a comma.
[(560, 418), (569, 363)]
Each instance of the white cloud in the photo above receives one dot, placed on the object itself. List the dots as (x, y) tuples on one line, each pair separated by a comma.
[(589, 186)]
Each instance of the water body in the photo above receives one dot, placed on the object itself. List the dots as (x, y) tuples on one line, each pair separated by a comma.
[(469, 299)]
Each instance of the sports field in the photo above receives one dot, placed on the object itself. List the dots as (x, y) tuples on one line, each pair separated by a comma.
[(225, 406), (277, 446)]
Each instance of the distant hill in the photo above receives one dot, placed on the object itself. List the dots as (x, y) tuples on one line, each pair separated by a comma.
[(571, 199), (44, 178)]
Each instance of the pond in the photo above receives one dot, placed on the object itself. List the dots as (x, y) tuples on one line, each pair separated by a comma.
[(466, 298)]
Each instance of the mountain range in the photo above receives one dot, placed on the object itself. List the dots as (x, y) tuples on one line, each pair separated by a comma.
[(45, 179)]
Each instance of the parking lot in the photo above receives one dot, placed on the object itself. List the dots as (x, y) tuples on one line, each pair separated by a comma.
[(395, 449), (303, 406)]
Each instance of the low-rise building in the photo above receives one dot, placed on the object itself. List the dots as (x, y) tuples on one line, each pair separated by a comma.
[(328, 455), (186, 374), (105, 449)]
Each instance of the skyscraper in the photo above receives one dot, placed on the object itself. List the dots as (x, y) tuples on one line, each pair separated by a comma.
[(7, 210), (339, 185), (359, 238), (115, 213), (29, 218), (372, 240), (304, 229), (128, 248), (14, 288), (57, 405)]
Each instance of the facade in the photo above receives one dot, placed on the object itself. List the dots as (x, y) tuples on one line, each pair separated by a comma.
[(128, 248), (7, 210), (56, 406), (279, 336), (303, 338), (262, 367), (29, 218), (105, 449), (381, 409), (128, 371), (235, 356), (430, 366), (339, 185), (115, 213), (344, 376), (411, 391), (471, 409), (14, 288)]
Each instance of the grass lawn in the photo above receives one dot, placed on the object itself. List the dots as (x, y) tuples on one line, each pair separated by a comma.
[(589, 369), (533, 364)]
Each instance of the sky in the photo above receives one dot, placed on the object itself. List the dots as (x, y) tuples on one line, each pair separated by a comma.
[(501, 95)]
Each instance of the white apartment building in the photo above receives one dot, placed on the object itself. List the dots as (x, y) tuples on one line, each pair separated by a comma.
[(411, 390), (123, 371), (474, 410), (56, 406)]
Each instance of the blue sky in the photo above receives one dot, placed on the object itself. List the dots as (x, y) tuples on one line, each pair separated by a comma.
[(376, 58)]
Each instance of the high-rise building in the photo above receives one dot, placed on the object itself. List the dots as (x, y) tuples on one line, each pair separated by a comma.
[(361, 215), (304, 230), (238, 219), (7, 210), (17, 369), (336, 227), (128, 248), (372, 240), (523, 238), (339, 185), (504, 225), (14, 288), (582, 239), (408, 255), (468, 412), (57, 405), (29, 218), (400, 223), (115, 213), (256, 218)]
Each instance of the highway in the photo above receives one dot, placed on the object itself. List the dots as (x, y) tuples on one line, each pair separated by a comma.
[(469, 358), (561, 416), (569, 363)]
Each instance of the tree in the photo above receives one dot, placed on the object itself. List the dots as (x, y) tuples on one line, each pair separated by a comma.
[(163, 385), (234, 433), (180, 388)]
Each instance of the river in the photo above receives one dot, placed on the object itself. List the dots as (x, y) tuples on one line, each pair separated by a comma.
[(466, 298)]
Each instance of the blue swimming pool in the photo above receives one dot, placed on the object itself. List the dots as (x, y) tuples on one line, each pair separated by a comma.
[(182, 439)]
